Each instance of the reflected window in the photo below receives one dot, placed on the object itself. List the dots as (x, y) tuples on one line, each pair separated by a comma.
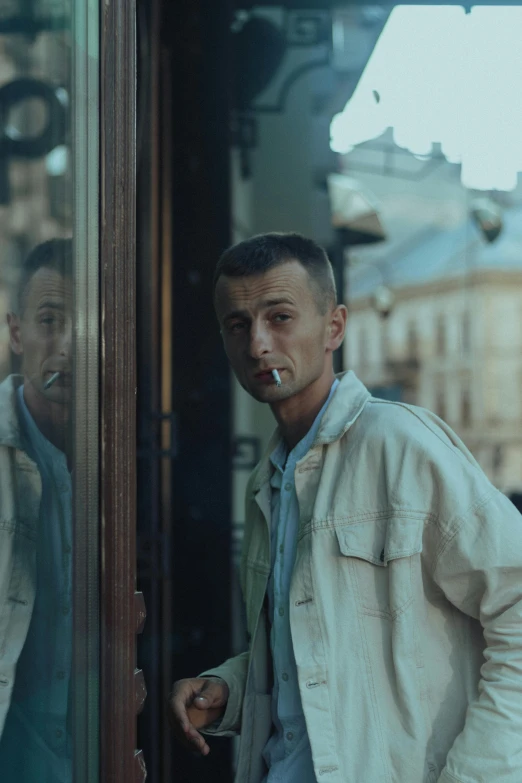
[(412, 342), (466, 334), (465, 405), (441, 336), (363, 350), (440, 399)]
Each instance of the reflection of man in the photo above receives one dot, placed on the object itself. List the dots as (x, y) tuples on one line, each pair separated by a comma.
[(35, 526), (382, 572)]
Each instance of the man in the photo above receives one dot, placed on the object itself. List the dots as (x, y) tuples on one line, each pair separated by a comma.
[(381, 570), (35, 526)]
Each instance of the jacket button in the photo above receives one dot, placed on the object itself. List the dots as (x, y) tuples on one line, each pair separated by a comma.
[(289, 736), (285, 676), (281, 611), (288, 487)]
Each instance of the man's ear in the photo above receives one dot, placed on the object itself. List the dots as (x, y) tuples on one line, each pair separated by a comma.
[(15, 336), (336, 327)]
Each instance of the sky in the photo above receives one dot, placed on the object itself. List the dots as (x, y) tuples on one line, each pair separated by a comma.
[(440, 75)]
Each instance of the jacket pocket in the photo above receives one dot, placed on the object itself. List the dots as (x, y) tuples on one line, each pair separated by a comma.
[(380, 554)]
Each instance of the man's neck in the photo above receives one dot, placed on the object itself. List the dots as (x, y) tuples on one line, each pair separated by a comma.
[(296, 415), (52, 419)]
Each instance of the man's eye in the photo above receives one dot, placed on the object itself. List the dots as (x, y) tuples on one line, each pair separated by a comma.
[(237, 327), (282, 317), (48, 320)]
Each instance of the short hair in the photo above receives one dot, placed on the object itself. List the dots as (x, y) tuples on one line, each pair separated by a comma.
[(265, 251), (54, 254)]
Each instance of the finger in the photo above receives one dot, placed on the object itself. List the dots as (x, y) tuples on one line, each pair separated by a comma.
[(178, 712), (197, 741), (183, 694), (204, 704), (199, 718)]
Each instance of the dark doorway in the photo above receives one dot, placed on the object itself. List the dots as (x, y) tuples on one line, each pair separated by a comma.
[(184, 538)]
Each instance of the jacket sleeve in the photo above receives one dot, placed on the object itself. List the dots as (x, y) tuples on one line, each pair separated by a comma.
[(479, 569), (234, 673)]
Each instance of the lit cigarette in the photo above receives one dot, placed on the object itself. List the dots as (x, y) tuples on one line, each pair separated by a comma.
[(52, 380), (276, 377)]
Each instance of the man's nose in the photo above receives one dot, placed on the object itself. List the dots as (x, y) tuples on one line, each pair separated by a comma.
[(66, 342), (260, 342)]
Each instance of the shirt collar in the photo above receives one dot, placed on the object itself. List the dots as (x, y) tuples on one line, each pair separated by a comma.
[(36, 440), (345, 408), (280, 455)]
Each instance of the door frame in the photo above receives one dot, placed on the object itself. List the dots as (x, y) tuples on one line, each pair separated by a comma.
[(122, 690)]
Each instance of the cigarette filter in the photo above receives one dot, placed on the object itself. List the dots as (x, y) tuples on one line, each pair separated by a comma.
[(52, 380)]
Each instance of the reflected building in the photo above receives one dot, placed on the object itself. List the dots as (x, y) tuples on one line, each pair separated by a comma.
[(453, 342)]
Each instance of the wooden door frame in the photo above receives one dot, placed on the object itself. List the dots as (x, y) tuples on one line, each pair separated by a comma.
[(120, 690)]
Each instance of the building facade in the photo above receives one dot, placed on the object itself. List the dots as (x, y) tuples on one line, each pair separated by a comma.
[(452, 343)]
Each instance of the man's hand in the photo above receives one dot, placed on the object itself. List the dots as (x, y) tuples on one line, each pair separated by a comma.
[(195, 704)]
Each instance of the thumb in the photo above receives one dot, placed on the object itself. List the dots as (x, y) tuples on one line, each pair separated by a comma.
[(211, 695)]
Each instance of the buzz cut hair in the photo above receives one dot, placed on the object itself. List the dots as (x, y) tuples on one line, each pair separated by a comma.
[(258, 254), (54, 254)]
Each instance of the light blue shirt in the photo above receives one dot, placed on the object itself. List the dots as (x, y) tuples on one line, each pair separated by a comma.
[(37, 723), (287, 753)]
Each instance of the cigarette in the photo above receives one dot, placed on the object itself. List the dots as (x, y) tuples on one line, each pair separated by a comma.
[(52, 380), (276, 377)]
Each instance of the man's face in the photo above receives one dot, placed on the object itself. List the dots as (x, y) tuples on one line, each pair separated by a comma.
[(272, 321), (42, 334)]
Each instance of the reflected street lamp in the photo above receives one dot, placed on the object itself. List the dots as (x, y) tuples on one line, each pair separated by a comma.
[(383, 301), (488, 217)]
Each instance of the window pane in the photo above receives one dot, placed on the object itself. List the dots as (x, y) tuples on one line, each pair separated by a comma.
[(48, 361)]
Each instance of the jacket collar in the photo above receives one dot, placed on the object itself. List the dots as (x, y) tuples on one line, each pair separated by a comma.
[(10, 434), (346, 405)]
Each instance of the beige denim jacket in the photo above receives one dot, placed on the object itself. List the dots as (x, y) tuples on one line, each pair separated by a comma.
[(405, 605), (20, 495)]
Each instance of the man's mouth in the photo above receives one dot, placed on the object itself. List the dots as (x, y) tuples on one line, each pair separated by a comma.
[(267, 376), (58, 378)]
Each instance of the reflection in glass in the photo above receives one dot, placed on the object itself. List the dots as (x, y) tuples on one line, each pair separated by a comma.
[(36, 365), (36, 736)]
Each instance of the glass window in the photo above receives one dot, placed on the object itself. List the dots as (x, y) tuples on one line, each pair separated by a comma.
[(440, 399), (465, 404), (441, 336), (466, 334), (363, 350), (48, 392), (413, 342)]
